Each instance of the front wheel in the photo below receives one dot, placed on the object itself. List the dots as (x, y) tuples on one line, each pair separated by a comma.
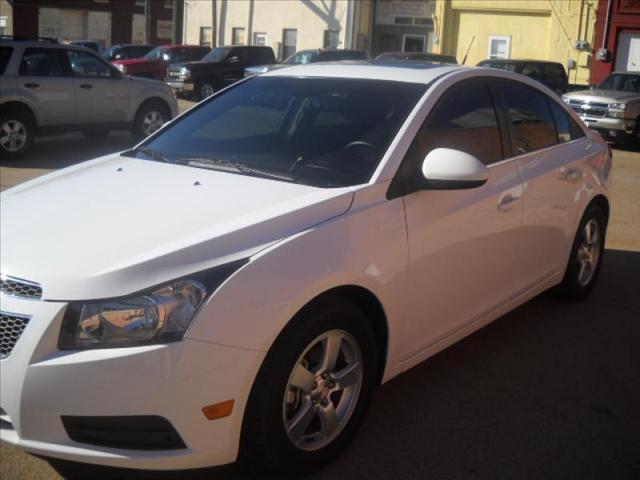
[(16, 134), (150, 117), (205, 89), (312, 391), (586, 256)]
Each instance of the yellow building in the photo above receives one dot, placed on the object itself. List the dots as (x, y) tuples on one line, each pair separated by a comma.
[(556, 30)]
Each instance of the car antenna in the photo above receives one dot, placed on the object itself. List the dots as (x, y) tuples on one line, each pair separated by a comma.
[(464, 60)]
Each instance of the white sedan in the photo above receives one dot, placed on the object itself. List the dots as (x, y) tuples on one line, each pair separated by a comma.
[(237, 284)]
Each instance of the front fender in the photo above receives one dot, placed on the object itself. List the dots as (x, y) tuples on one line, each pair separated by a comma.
[(365, 247)]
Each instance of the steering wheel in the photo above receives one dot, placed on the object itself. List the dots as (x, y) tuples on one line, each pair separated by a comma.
[(359, 143)]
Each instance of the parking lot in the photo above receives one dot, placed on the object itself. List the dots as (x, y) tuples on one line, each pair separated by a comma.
[(550, 390)]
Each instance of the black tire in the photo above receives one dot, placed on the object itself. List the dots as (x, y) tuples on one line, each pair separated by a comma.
[(204, 86), (153, 106), (571, 287), (264, 442), (10, 117), (96, 133)]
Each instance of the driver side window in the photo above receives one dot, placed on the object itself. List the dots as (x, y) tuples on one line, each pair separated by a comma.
[(84, 64)]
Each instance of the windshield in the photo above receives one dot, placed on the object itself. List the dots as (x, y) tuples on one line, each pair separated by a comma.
[(325, 132), (622, 82), (156, 53), (216, 55)]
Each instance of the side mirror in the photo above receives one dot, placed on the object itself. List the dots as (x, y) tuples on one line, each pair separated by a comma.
[(233, 59), (449, 169)]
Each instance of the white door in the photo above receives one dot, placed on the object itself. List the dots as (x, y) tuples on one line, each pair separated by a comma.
[(462, 243), (548, 163), (100, 27), (628, 54), (74, 25), (49, 21)]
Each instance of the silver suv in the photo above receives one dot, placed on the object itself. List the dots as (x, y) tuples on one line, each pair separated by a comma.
[(612, 107), (50, 88)]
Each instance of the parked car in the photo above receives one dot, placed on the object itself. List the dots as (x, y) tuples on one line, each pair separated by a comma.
[(612, 107), (551, 74), (309, 56), (155, 63), (219, 68), (236, 285), (415, 57), (50, 88), (126, 52), (94, 45)]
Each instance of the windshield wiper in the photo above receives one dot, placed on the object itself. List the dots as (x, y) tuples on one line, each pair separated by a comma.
[(155, 155), (227, 166)]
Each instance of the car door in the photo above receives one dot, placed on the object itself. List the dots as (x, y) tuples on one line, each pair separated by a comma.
[(462, 243), (233, 65), (548, 154), (102, 94), (45, 78)]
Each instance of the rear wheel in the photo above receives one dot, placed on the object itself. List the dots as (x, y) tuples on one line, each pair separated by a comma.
[(586, 256), (16, 134), (312, 391)]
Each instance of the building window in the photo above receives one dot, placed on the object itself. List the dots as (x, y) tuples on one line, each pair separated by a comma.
[(289, 41), (331, 39), (205, 36), (237, 36), (3, 25), (260, 39), (499, 47)]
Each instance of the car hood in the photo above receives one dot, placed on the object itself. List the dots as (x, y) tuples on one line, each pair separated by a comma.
[(604, 96), (266, 68), (117, 225), (178, 66), (133, 61)]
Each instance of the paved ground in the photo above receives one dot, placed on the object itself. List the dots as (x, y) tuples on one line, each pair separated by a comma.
[(551, 390)]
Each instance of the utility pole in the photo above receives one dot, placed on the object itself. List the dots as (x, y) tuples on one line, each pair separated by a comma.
[(214, 23), (147, 20)]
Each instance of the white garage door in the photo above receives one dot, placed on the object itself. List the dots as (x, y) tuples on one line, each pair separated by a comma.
[(100, 27), (74, 25), (49, 21), (628, 55)]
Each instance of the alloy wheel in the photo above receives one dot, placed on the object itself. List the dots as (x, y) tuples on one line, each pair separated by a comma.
[(13, 135), (206, 90), (152, 121), (322, 390), (588, 252)]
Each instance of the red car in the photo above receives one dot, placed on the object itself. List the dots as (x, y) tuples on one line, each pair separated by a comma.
[(154, 64)]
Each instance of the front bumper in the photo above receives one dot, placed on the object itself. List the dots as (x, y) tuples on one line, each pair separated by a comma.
[(39, 384), (182, 86), (611, 128)]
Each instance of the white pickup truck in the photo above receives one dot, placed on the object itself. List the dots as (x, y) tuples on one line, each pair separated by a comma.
[(612, 108)]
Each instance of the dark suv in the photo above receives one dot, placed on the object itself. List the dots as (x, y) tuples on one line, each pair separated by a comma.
[(551, 74), (222, 66)]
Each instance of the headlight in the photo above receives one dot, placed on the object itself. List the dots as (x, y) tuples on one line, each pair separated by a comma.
[(158, 316), (185, 72), (616, 110), (121, 67), (565, 99), (618, 106)]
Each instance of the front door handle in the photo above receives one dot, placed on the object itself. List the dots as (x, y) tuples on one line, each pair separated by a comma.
[(86, 86), (506, 201), (32, 85)]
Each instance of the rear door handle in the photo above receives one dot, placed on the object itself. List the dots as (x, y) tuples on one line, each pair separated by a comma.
[(32, 85), (86, 86), (505, 201)]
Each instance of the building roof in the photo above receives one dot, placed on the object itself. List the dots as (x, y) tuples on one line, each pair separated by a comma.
[(400, 72)]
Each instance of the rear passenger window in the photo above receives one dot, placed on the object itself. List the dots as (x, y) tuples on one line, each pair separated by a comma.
[(44, 62), (532, 126), (464, 119), (565, 126), (5, 55)]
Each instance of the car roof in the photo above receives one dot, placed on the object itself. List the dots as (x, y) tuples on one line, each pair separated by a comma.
[(518, 60), (410, 73)]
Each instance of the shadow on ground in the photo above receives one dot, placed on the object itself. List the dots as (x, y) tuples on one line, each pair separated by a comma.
[(550, 390)]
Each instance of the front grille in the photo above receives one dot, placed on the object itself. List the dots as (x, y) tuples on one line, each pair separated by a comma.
[(20, 288), (11, 327), (589, 109), (145, 432)]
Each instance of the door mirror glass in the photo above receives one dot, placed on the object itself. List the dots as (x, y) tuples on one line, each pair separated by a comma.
[(234, 59), (449, 169)]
